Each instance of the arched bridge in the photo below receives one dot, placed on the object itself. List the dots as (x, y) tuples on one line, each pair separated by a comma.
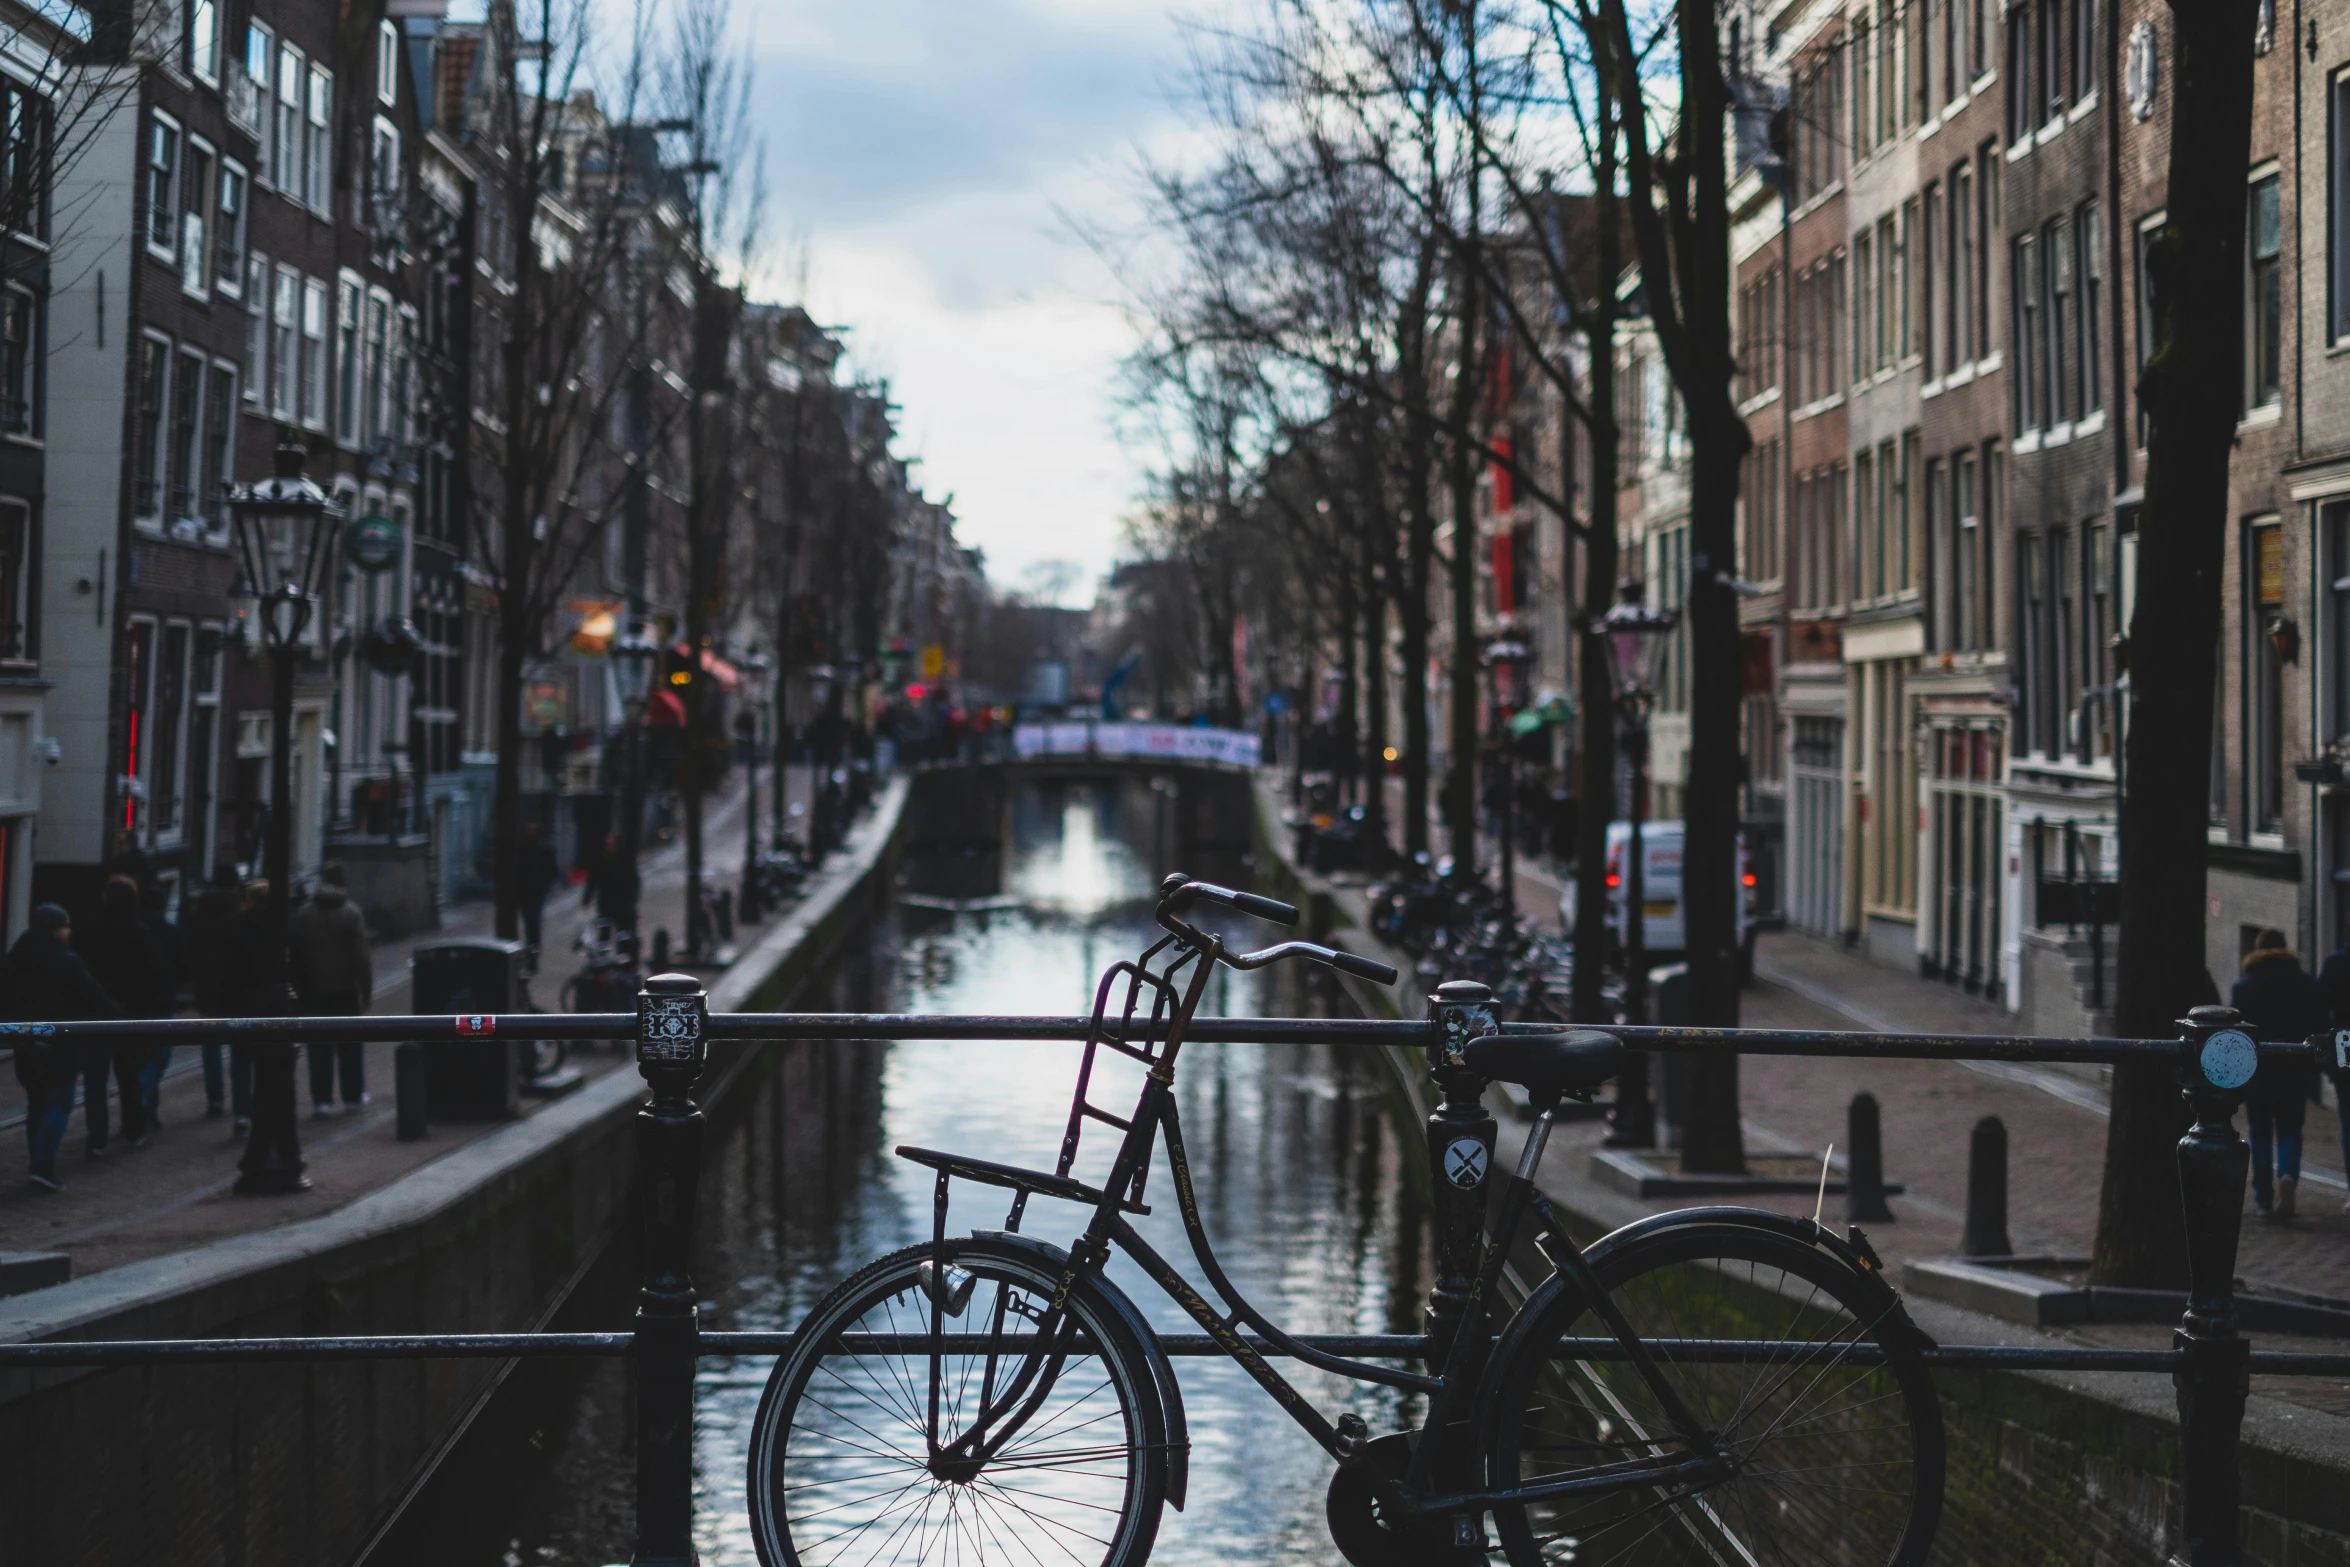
[(1191, 786)]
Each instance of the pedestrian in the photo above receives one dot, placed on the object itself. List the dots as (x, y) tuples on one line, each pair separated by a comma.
[(2280, 1002), (612, 886), (536, 877), (132, 966), (208, 941), (2334, 980), (334, 976), (254, 987), (44, 982)]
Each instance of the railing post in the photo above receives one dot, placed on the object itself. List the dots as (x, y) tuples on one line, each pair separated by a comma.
[(2217, 1058), (1460, 1153), (672, 1014)]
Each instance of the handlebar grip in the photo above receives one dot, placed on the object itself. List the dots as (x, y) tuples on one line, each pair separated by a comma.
[(1265, 908), (1363, 968)]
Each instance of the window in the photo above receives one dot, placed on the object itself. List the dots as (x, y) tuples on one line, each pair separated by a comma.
[(195, 248), (318, 142), (379, 307), (219, 461), (2063, 639), (2084, 47), (181, 447), (1966, 579), (2264, 316), (2334, 525), (2338, 194), (16, 541), (1864, 307), (2097, 642), (260, 51), (1864, 119), (20, 361), (1865, 522), (403, 357), (387, 63), (2022, 104), (138, 673), (2048, 71), (256, 330), (1927, 239), (1962, 265), (163, 174), (2091, 234), (24, 162), (146, 470), (284, 322), (228, 231), (1909, 319), (384, 170), (2025, 290), (347, 360), (2264, 703), (1941, 604), (285, 158), (2035, 688), (1905, 516), (2056, 248), (204, 40), (164, 784), (314, 353)]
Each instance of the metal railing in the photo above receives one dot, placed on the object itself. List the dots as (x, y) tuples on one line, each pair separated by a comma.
[(2210, 1362)]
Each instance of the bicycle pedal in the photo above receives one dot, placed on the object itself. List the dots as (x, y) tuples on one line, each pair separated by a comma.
[(1352, 1433)]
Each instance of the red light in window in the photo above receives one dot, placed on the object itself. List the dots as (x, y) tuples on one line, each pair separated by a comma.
[(1614, 880), (1750, 878)]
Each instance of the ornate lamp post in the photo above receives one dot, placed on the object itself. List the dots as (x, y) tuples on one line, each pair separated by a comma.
[(754, 669), (1634, 636), (633, 654), (285, 540)]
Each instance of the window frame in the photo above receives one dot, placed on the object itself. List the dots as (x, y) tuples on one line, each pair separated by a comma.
[(2264, 302), (204, 41), (150, 416), (18, 605), (286, 128), (318, 140), (161, 195), (2261, 683), (28, 361), (387, 62), (261, 85), (312, 395), (183, 442)]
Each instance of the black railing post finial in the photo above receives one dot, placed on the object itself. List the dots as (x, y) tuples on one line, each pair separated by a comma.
[(2217, 1058), (672, 1043), (1461, 1133)]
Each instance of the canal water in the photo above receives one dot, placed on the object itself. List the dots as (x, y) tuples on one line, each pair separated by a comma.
[(1303, 1179)]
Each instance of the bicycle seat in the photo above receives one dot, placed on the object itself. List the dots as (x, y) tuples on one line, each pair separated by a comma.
[(1547, 1064)]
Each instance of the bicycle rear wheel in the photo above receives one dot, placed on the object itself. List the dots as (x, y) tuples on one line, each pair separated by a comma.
[(840, 1469), (1839, 1462)]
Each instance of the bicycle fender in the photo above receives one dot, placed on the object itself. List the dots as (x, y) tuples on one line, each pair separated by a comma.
[(1852, 1249), (1170, 1392)]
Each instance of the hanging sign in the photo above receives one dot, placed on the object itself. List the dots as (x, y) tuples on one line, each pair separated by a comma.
[(372, 542)]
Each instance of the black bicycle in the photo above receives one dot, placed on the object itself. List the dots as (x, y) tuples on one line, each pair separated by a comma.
[(1715, 1385)]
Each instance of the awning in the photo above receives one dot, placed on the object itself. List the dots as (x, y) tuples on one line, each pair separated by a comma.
[(664, 711), (595, 631)]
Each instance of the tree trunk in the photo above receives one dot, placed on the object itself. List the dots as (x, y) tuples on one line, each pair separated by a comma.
[(1461, 472), (2174, 633), (1412, 609), (1595, 705), (517, 634)]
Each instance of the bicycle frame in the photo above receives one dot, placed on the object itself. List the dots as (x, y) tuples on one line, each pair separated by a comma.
[(1001, 1414)]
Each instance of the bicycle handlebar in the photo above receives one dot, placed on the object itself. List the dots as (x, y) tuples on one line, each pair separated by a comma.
[(1346, 962), (1179, 890)]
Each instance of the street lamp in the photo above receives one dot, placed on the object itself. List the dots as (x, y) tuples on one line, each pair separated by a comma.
[(1634, 636), (1507, 656), (754, 669), (633, 654), (285, 538)]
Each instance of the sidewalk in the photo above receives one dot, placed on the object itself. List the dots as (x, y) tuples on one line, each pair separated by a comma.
[(175, 1192)]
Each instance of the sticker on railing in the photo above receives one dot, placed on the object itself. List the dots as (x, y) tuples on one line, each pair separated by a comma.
[(2342, 1050), (477, 1024), (670, 1028), (2229, 1058)]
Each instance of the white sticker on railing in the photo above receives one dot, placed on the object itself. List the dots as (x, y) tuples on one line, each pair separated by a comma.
[(1464, 1162), (2229, 1058)]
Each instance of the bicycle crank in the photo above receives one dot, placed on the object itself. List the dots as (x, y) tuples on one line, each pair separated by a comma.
[(1359, 1525)]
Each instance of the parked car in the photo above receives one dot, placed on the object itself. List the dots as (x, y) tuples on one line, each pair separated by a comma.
[(1662, 933)]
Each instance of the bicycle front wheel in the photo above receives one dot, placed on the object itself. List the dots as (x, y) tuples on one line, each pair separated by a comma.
[(843, 1467), (1835, 1433)]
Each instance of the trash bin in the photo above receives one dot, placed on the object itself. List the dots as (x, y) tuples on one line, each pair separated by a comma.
[(480, 1078)]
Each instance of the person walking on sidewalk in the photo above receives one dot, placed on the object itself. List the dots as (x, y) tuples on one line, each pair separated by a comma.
[(538, 873), (208, 935), (43, 981), (133, 967), (2334, 980), (2279, 1001), (334, 976)]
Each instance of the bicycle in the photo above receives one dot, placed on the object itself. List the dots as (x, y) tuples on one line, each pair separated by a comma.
[(609, 975), (1710, 1385)]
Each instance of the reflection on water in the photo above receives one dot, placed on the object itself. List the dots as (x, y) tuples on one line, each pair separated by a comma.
[(1299, 1169)]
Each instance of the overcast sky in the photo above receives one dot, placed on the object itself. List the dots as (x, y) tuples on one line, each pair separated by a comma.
[(923, 156)]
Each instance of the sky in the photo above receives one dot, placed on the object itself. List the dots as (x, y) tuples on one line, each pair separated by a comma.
[(930, 164)]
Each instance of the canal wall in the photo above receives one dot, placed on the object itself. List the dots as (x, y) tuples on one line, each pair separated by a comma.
[(293, 1465), (2046, 1469)]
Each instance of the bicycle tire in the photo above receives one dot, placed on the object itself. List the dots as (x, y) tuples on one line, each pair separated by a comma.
[(834, 1460), (1850, 1478)]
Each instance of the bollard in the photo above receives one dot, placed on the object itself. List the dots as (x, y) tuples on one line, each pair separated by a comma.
[(1864, 1153), (410, 1077), (2216, 1060), (1986, 1191), (1460, 1154), (672, 1014)]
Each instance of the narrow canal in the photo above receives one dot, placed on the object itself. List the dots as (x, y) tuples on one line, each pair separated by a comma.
[(1303, 1183)]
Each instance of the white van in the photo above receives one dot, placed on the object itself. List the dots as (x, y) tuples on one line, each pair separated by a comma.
[(1662, 933)]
